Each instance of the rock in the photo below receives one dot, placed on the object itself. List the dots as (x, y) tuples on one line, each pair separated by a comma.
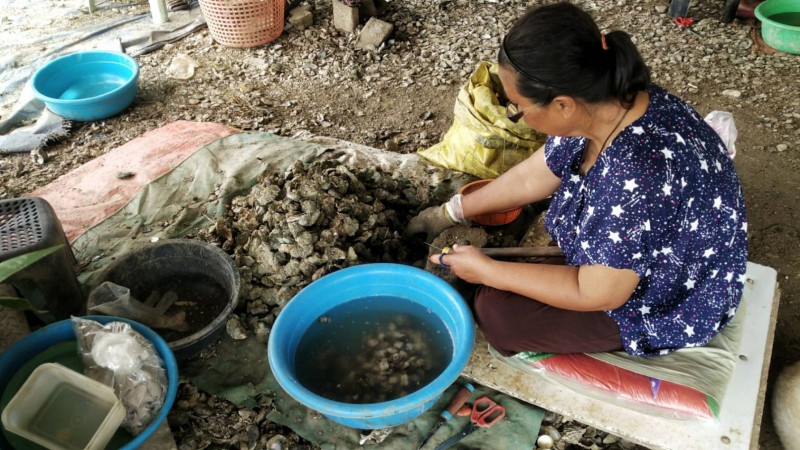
[(661, 9), (345, 18), (301, 17), (374, 33), (782, 147), (732, 93), (786, 406)]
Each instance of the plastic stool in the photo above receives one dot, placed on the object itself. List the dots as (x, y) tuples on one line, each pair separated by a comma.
[(30, 224)]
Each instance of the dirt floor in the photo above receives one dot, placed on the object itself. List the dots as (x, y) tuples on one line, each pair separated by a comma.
[(401, 98)]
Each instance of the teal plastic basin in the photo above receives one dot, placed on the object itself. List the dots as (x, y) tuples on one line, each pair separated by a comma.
[(371, 280), (780, 24), (86, 86), (56, 343)]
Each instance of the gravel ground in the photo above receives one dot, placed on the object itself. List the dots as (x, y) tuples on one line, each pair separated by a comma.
[(401, 98)]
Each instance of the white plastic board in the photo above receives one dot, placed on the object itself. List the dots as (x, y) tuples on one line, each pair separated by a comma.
[(740, 416)]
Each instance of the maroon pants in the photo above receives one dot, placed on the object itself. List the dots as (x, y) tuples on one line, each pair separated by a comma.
[(513, 323)]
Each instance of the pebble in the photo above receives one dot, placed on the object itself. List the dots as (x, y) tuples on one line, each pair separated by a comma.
[(732, 93), (544, 441), (782, 147)]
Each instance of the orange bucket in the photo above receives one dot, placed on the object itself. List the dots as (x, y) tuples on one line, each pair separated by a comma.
[(243, 23), (491, 219)]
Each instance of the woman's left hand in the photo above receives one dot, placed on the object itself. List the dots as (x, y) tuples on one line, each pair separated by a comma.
[(467, 262)]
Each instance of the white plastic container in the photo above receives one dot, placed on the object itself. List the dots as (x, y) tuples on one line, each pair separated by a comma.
[(61, 409)]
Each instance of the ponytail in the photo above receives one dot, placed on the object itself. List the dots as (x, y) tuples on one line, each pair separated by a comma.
[(559, 50), (627, 72)]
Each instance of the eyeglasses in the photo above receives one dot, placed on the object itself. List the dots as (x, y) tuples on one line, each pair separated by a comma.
[(513, 113)]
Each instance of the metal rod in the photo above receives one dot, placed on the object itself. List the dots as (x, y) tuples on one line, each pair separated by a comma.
[(523, 251)]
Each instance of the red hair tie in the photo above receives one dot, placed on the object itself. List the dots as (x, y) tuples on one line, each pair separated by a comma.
[(603, 41)]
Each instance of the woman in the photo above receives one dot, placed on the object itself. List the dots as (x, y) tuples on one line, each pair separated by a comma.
[(646, 204)]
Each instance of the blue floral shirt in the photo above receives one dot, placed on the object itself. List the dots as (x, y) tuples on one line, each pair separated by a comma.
[(662, 200)]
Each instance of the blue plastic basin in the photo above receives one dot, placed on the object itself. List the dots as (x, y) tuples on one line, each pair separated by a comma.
[(90, 85), (370, 280), (37, 342)]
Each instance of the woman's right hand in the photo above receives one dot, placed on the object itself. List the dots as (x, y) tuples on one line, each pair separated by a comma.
[(467, 262)]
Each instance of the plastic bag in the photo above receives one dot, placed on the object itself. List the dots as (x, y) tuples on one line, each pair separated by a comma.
[(482, 141), (115, 300), (116, 355), (722, 123)]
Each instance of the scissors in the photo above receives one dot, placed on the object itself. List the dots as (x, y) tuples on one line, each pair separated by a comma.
[(485, 413)]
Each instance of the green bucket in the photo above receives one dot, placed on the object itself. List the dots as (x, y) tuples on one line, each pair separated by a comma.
[(780, 24)]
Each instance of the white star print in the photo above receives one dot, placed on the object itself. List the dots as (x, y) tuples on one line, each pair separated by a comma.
[(648, 273), (734, 216), (646, 225), (591, 210), (637, 256), (663, 352), (617, 210), (557, 140), (577, 230), (694, 225), (683, 182), (744, 226), (605, 171), (666, 250), (703, 165), (656, 253), (567, 194), (632, 345), (644, 310), (717, 202), (679, 139), (585, 245), (708, 253), (729, 276), (614, 236), (689, 331), (689, 284), (638, 130), (691, 200), (714, 273), (731, 311), (574, 178), (718, 165), (716, 326), (667, 153), (742, 278), (667, 189), (630, 185)]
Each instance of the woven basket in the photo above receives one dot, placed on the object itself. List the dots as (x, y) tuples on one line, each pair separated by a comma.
[(243, 23)]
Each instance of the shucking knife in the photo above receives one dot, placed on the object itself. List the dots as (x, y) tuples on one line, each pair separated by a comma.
[(452, 409)]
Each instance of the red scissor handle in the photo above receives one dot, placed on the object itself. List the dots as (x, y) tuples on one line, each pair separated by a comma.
[(683, 21), (485, 412)]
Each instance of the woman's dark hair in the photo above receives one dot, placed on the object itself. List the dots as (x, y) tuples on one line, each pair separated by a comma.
[(559, 50)]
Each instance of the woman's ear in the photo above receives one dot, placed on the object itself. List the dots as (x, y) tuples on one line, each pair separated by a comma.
[(565, 105)]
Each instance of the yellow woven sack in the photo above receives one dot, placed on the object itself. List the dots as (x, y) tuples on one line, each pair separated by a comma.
[(482, 141)]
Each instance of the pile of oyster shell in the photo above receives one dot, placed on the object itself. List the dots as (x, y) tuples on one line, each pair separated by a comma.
[(293, 228)]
